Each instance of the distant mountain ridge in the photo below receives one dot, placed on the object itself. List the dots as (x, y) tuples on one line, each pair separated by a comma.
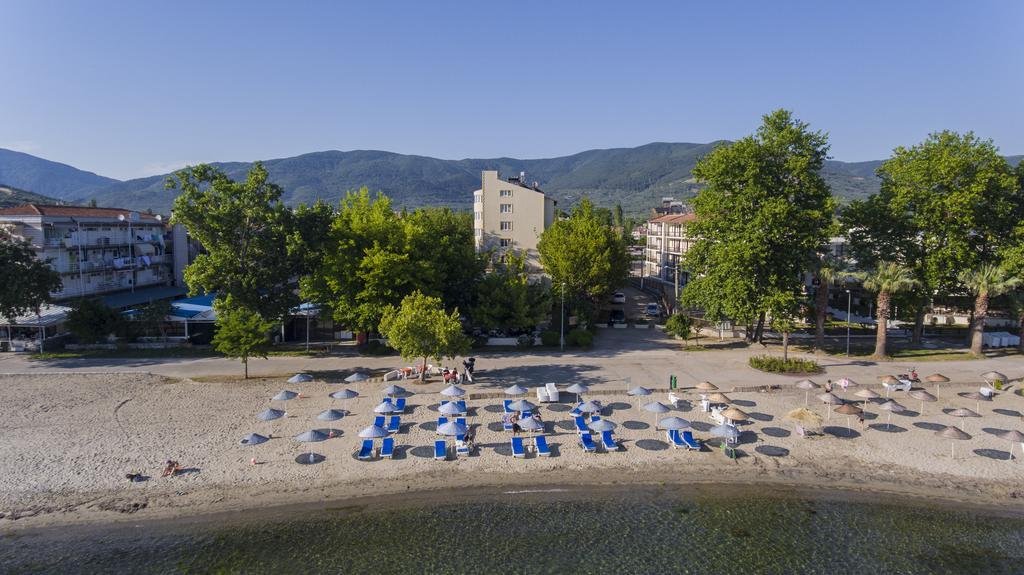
[(11, 196), (635, 177)]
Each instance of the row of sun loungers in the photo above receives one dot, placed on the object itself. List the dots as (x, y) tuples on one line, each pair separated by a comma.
[(540, 443), (387, 449), (682, 440)]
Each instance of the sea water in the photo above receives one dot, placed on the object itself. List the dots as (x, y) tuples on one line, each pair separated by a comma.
[(627, 530)]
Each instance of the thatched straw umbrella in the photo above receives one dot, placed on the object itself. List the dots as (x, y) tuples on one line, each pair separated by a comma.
[(937, 378), (805, 418), (830, 398), (892, 407), (735, 414), (719, 398), (706, 386), (978, 397), (991, 377), (954, 433), (806, 385), (963, 412), (888, 379), (849, 410), (867, 395), (1013, 436), (922, 396)]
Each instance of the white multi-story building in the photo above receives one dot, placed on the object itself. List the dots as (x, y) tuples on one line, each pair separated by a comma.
[(510, 216), (100, 251), (667, 241)]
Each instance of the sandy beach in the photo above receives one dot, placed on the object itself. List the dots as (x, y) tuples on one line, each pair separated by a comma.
[(69, 440)]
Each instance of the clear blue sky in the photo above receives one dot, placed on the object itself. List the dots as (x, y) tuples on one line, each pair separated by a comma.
[(127, 89)]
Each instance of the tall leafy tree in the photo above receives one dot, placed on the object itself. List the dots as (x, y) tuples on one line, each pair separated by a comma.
[(763, 219), (27, 280), (441, 243), (241, 332), (244, 228), (421, 328), (829, 272), (887, 279), (986, 282), (90, 320), (585, 254), (509, 300)]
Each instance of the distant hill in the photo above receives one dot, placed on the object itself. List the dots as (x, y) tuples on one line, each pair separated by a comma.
[(61, 181), (11, 196), (635, 177)]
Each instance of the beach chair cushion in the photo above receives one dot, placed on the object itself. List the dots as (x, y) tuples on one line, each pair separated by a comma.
[(400, 404), (608, 441), (461, 420), (674, 438), (517, 447), (379, 421), (366, 451), (387, 448), (395, 425), (440, 450), (506, 403), (581, 424), (689, 441), (542, 446), (587, 442)]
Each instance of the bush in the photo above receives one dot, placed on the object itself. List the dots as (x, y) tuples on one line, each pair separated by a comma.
[(775, 364), (91, 321), (524, 341), (579, 338), (550, 338), (679, 325)]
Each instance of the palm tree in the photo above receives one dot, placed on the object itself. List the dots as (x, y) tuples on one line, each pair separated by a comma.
[(985, 282), (887, 279), (827, 273)]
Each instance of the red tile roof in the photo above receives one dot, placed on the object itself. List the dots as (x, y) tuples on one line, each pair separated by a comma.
[(675, 219), (69, 211)]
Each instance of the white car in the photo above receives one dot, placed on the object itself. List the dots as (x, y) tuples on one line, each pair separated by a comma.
[(652, 310), (618, 297)]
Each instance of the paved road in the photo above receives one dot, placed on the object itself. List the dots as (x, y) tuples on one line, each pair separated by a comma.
[(619, 357)]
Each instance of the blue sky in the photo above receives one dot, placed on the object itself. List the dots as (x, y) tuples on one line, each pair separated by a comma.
[(128, 89)]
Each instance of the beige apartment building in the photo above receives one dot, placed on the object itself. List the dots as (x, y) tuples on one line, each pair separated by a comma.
[(509, 215), (667, 241)]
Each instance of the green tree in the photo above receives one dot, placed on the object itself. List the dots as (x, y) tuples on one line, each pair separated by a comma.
[(27, 280), (91, 320), (763, 219), (152, 317), (508, 300), (680, 325), (241, 332), (885, 280), (585, 254), (829, 271), (783, 309), (246, 232), (983, 283), (440, 241), (421, 328)]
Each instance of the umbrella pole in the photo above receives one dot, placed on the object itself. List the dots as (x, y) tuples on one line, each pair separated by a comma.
[(888, 422), (952, 446), (807, 395)]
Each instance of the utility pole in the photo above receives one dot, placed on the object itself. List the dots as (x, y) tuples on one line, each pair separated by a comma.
[(849, 301), (561, 337)]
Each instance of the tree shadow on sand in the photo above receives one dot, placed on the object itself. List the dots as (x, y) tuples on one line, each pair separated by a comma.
[(537, 375)]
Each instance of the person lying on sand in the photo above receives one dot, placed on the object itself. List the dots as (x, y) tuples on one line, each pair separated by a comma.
[(171, 469), (134, 477)]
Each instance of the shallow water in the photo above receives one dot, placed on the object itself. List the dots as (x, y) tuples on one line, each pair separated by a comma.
[(623, 531)]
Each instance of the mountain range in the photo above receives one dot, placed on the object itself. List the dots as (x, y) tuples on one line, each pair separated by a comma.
[(635, 177), (15, 197)]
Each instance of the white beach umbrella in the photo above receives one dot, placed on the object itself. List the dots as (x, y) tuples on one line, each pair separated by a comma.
[(385, 407), (393, 390), (284, 395), (300, 378), (450, 408), (453, 428), (578, 388), (453, 391), (808, 386), (673, 422), (311, 436), (601, 425), (270, 414), (530, 424), (256, 439), (373, 432), (344, 394), (330, 415), (657, 408), (521, 405), (356, 377), (514, 390)]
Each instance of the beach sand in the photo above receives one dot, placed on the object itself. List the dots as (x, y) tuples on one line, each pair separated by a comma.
[(69, 440)]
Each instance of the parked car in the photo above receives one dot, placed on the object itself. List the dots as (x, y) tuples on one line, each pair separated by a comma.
[(617, 316), (652, 310), (618, 297)]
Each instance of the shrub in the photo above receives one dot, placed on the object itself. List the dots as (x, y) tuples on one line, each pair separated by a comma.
[(91, 321), (480, 342), (579, 338), (550, 338), (679, 325), (524, 341), (775, 364)]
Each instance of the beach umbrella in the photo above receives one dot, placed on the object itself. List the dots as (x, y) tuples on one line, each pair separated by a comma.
[(601, 425), (270, 414), (284, 395), (356, 377), (256, 439), (849, 410), (385, 407), (300, 378), (804, 418), (530, 424), (373, 432), (978, 397), (330, 415), (515, 390), (453, 428), (806, 385), (674, 422), (453, 391), (639, 391), (707, 386), (922, 396), (891, 380), (954, 433), (964, 413), (450, 408), (1013, 436), (344, 394), (393, 390), (992, 376), (311, 436), (937, 378), (589, 407), (726, 432), (892, 407), (735, 414), (656, 407), (521, 405), (830, 399), (578, 388), (867, 395), (719, 398)]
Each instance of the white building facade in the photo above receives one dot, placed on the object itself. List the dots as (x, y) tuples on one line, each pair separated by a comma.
[(509, 216)]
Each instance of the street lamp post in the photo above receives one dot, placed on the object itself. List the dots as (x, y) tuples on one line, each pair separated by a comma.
[(307, 331), (849, 307), (561, 337)]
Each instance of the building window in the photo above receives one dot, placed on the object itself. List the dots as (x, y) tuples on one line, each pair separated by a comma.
[(505, 208), (505, 242), (506, 226), (505, 193)]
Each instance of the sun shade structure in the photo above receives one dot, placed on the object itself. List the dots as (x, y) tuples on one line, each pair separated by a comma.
[(656, 407), (530, 424), (806, 385), (849, 410), (977, 397), (1012, 436), (523, 405), (284, 395), (311, 436), (385, 407), (589, 407), (300, 378), (270, 414), (954, 433), (601, 425), (707, 386), (373, 432), (922, 396), (515, 390), (719, 398), (330, 415), (805, 418), (639, 391), (578, 388), (888, 379), (253, 439), (831, 398), (992, 376), (964, 413), (673, 423), (892, 407), (867, 394), (450, 408), (344, 394), (734, 414), (356, 377), (726, 432), (937, 378), (393, 390), (453, 428), (453, 391)]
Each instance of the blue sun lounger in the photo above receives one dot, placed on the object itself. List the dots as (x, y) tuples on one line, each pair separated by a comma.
[(507, 402), (387, 448), (441, 421), (587, 443), (690, 442), (674, 438), (400, 404), (576, 411), (366, 451), (542, 446), (608, 441), (594, 418), (517, 447), (440, 450), (379, 421), (581, 424), (395, 425), (461, 420)]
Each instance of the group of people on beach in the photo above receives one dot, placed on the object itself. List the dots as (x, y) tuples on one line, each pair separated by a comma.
[(514, 419)]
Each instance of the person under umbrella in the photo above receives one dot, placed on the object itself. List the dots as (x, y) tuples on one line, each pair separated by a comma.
[(579, 389), (937, 378), (300, 378), (954, 433), (849, 409), (311, 436), (891, 406), (964, 413), (922, 396), (256, 439), (1012, 436), (657, 408), (344, 394), (808, 386)]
